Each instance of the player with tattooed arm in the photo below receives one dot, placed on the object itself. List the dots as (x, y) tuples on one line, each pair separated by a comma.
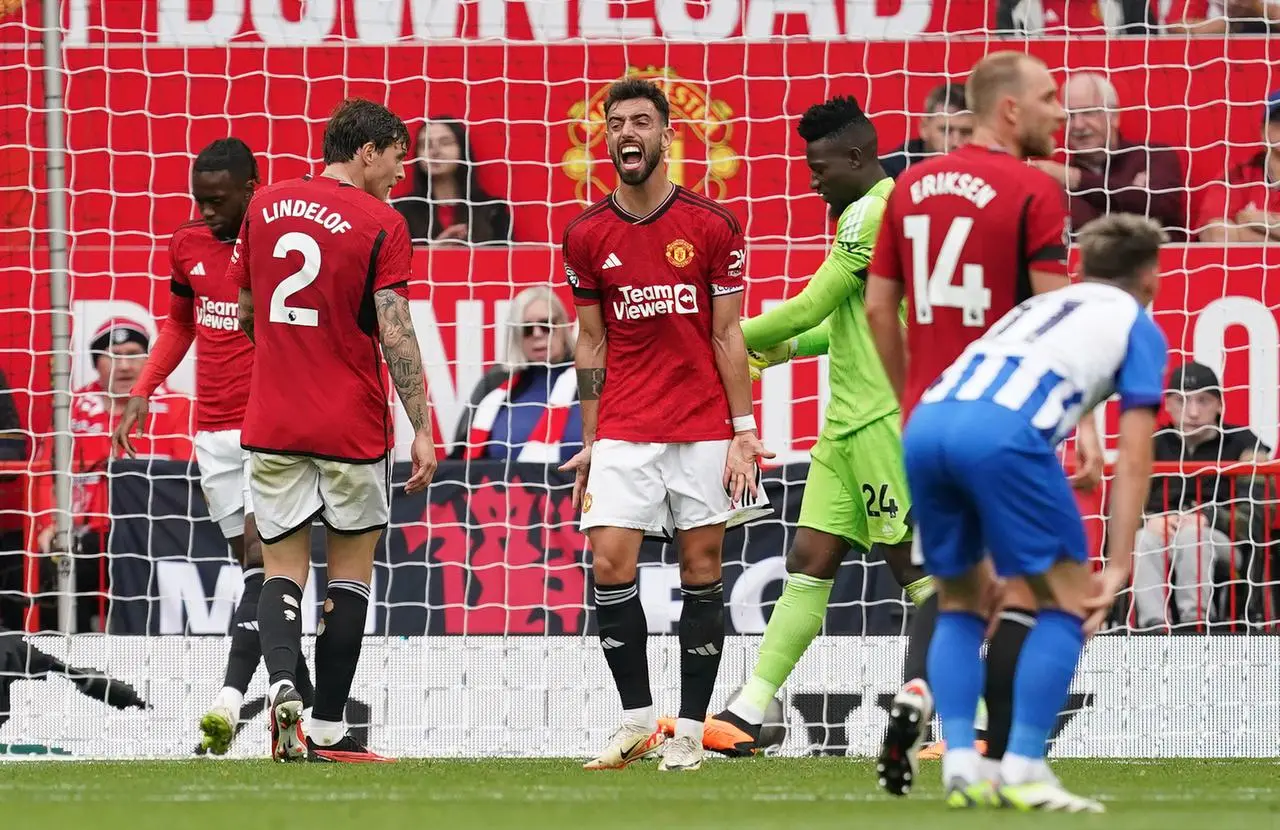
[(323, 265), (670, 438)]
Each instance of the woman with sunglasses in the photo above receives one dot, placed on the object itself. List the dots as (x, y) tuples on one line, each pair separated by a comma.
[(526, 407)]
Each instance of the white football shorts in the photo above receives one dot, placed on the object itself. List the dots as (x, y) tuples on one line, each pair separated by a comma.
[(292, 491), (661, 488), (224, 477)]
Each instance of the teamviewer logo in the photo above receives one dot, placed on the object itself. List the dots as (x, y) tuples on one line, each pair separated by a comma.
[(686, 299), (640, 302)]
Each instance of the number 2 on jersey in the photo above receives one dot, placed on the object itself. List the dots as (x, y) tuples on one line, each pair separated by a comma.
[(295, 282), (933, 287)]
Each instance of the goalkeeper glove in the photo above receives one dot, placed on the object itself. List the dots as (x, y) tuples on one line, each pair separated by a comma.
[(758, 361)]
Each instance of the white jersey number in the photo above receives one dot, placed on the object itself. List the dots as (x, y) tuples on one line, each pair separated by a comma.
[(295, 282), (934, 287)]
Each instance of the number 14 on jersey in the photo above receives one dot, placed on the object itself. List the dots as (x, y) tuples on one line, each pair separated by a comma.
[(934, 287)]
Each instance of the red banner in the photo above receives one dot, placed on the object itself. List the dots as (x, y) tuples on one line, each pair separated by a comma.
[(1221, 305), (136, 115)]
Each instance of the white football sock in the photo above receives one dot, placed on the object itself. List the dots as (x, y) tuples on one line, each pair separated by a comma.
[(275, 690), (688, 727), (960, 763), (644, 716), (1019, 769), (230, 699), (326, 732)]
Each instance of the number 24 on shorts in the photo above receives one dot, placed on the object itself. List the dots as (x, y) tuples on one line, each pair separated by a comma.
[(877, 499)]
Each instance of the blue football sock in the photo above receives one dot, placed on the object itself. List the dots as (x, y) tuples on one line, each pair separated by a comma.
[(1043, 679), (957, 674)]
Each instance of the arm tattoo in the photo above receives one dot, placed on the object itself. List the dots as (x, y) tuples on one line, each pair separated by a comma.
[(403, 356), (245, 313), (590, 384)]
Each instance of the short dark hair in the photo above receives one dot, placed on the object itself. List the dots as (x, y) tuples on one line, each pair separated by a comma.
[(230, 154), (357, 122), (1118, 245), (629, 89), (945, 96), (836, 116)]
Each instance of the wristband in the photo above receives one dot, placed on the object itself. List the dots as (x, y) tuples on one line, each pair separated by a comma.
[(744, 423)]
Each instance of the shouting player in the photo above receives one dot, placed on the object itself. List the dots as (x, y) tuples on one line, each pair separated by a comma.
[(202, 309), (667, 415), (966, 237), (856, 490), (327, 261), (980, 455)]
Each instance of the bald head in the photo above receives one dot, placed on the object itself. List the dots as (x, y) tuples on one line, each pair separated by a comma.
[(1014, 101), (996, 76)]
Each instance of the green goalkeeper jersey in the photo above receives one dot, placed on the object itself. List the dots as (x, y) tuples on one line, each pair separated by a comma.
[(830, 316)]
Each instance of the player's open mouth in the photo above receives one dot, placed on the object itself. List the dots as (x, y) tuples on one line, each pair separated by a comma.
[(631, 156)]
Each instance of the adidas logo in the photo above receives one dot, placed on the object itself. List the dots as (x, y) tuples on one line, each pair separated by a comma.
[(249, 625), (709, 650), (611, 261), (198, 271), (608, 643)]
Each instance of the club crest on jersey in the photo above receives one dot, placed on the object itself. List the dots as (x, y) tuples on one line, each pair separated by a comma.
[(680, 252), (571, 275)]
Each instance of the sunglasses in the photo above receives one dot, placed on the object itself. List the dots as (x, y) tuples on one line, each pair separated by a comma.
[(530, 329)]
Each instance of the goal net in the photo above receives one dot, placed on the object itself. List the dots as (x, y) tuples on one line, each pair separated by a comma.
[(481, 636)]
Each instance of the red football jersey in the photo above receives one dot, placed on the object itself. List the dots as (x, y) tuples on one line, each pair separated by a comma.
[(224, 356), (167, 434), (963, 233), (654, 277), (1246, 187), (313, 251)]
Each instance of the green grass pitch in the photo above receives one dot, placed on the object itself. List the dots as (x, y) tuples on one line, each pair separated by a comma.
[(795, 794)]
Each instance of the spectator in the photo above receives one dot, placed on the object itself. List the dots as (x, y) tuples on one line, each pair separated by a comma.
[(1246, 208), (526, 408), (13, 447), (1074, 17), (1218, 17), (118, 350), (13, 441), (447, 203), (1198, 524), (1107, 174), (945, 125)]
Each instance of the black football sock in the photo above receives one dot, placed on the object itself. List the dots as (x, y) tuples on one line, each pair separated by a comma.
[(246, 645), (701, 643), (1002, 660), (919, 636), (302, 682), (280, 627), (338, 641), (624, 636)]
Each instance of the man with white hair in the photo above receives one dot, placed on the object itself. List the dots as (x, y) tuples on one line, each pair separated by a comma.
[(1107, 174)]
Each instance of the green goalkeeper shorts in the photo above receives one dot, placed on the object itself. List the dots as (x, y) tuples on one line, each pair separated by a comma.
[(857, 486)]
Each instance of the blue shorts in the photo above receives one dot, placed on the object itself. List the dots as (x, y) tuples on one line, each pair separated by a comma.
[(983, 480)]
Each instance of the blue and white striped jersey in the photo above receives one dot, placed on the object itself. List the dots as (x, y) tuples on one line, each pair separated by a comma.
[(1057, 355)]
